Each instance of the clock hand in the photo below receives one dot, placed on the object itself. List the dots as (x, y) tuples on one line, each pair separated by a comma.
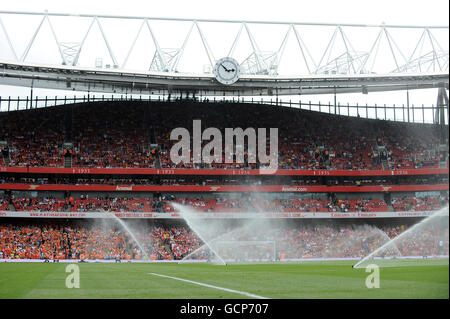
[(225, 68), (228, 70)]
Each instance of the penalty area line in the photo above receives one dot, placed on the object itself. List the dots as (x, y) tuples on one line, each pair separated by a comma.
[(211, 286)]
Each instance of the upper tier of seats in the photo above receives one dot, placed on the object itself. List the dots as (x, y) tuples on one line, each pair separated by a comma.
[(121, 135)]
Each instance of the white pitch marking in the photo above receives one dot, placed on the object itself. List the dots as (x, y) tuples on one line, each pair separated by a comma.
[(211, 286)]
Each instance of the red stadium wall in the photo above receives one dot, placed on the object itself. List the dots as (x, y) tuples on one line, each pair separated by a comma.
[(193, 188), (180, 171)]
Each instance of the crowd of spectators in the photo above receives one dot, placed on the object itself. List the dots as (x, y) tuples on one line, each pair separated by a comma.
[(94, 241), (228, 180), (44, 204), (167, 242), (309, 140), (4, 203), (52, 241), (256, 203), (34, 138), (111, 204), (261, 204), (419, 203), (102, 137), (121, 135)]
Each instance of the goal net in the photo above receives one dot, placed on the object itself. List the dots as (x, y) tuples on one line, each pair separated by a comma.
[(232, 251)]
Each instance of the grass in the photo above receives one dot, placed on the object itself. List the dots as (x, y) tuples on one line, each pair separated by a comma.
[(315, 280)]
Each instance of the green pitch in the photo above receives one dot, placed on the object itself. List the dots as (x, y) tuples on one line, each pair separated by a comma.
[(271, 280)]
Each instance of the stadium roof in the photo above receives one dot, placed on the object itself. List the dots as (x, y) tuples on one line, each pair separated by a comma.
[(147, 82), (342, 63)]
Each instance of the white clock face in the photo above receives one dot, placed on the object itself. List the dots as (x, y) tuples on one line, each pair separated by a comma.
[(226, 71)]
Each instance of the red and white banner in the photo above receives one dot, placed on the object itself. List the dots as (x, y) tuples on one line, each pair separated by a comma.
[(225, 188), (235, 172), (214, 215)]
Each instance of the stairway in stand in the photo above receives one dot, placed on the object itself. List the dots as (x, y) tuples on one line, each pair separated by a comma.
[(6, 160), (4, 154), (68, 161)]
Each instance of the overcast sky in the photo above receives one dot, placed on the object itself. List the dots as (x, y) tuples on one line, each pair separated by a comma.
[(408, 12)]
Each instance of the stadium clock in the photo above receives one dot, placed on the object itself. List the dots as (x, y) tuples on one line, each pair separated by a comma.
[(227, 70)]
